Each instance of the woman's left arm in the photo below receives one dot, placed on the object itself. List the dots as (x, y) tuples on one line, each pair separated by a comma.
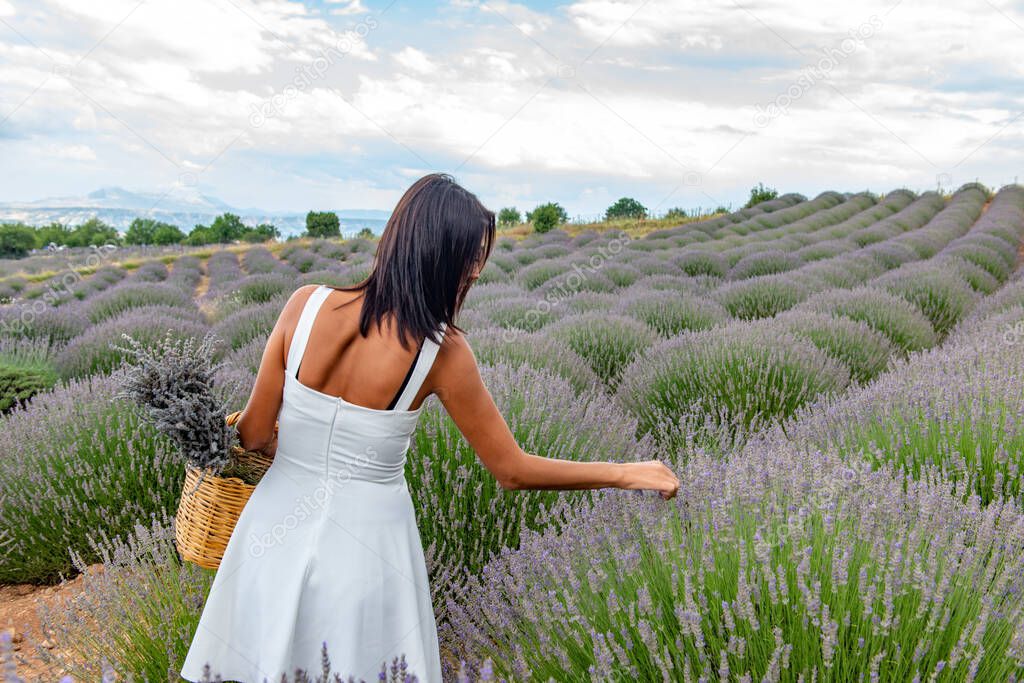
[(256, 426)]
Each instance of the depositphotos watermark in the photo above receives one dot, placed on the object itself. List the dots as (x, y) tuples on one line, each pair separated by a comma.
[(830, 58), (1014, 334), (308, 503), (570, 284), (58, 287), (306, 76)]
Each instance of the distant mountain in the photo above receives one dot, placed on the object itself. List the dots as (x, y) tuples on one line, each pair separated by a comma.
[(182, 206)]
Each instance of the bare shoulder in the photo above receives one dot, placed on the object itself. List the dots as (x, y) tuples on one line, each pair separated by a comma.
[(301, 295), (293, 307), (455, 359), (455, 348)]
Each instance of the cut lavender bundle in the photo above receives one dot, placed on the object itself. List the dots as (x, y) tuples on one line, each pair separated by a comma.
[(175, 384)]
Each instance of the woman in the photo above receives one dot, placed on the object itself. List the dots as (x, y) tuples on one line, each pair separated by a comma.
[(327, 548)]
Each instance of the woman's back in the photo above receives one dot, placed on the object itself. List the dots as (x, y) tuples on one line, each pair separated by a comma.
[(338, 361)]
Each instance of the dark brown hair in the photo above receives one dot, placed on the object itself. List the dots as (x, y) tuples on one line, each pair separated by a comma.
[(437, 235)]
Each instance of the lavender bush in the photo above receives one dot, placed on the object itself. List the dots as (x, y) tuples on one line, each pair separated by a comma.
[(978, 278), (260, 288), (671, 313), (186, 272), (94, 352), (522, 313), (514, 347), (78, 461), (763, 262), (26, 369), (955, 408), (943, 297), (248, 323), (493, 273), (223, 270), (985, 257), (539, 272), (905, 326), (761, 297), (864, 351), (608, 342), (701, 263), (151, 271), (743, 373), (248, 356), (56, 326), (777, 565), (115, 301), (587, 302), (259, 260)]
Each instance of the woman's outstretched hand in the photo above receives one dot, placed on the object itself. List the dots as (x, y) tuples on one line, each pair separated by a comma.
[(653, 475)]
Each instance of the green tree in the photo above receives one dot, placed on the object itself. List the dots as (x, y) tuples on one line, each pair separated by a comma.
[(760, 193), (144, 230), (563, 217), (546, 216), (260, 233), (93, 233), (140, 231), (16, 240), (509, 216), (366, 233), (323, 224), (58, 233), (627, 207), (165, 233), (226, 227), (199, 236)]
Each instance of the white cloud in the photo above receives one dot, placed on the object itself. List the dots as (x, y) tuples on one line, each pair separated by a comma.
[(70, 152), (349, 7), (655, 89), (417, 61)]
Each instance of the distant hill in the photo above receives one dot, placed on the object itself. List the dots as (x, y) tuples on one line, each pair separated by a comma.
[(184, 207)]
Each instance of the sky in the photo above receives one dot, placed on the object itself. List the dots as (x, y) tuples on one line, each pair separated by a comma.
[(289, 105)]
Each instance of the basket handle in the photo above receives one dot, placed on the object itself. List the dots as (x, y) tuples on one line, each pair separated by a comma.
[(232, 418)]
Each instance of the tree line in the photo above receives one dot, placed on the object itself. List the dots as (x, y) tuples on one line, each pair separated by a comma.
[(18, 239), (546, 217)]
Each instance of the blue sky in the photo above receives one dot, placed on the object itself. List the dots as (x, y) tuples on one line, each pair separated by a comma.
[(283, 105)]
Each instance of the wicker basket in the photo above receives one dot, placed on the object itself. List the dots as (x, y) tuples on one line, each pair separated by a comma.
[(207, 515)]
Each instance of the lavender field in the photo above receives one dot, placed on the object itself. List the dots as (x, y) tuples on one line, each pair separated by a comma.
[(836, 380)]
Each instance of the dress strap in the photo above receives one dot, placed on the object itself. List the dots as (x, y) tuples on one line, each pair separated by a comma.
[(427, 354), (301, 336)]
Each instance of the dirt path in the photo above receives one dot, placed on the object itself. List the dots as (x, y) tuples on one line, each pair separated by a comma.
[(202, 286), (18, 617)]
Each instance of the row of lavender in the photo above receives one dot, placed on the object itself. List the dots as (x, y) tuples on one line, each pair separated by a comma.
[(595, 365), (879, 534)]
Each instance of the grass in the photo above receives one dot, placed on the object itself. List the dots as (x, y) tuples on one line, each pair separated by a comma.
[(631, 226)]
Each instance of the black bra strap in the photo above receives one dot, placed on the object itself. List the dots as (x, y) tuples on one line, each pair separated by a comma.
[(408, 375)]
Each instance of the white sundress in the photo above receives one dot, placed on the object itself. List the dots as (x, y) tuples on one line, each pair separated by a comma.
[(327, 548)]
